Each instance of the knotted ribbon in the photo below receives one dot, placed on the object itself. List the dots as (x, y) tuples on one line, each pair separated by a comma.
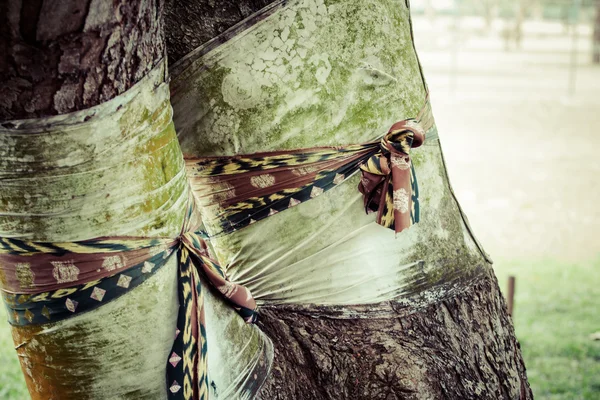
[(388, 182), (49, 282), (190, 344), (237, 191)]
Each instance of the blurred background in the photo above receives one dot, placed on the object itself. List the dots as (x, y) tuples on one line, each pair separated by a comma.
[(515, 88)]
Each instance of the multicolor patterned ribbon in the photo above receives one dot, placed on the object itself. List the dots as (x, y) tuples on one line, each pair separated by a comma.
[(237, 191), (49, 282), (388, 183)]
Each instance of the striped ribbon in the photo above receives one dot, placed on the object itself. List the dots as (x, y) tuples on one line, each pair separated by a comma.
[(388, 183), (48, 282)]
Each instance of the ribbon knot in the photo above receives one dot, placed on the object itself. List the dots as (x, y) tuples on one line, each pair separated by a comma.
[(190, 380), (388, 182)]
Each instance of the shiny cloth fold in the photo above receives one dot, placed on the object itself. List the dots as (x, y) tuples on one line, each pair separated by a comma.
[(388, 183), (48, 282)]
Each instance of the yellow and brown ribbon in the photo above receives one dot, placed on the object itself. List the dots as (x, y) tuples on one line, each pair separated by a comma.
[(49, 282), (237, 191), (388, 181)]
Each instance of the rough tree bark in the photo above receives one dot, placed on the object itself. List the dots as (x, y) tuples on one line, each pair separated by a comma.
[(59, 57), (459, 346), (462, 347)]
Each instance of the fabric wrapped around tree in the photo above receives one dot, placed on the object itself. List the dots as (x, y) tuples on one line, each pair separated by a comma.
[(92, 266), (317, 76), (262, 87)]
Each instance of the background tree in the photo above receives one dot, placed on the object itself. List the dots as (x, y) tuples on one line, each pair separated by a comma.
[(596, 37)]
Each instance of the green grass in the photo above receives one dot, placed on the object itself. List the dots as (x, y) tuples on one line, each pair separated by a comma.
[(12, 384), (556, 309)]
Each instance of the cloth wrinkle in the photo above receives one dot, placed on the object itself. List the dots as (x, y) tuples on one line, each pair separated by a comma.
[(388, 183)]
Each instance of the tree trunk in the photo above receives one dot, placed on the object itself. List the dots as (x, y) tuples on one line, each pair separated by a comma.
[(113, 168), (72, 55), (462, 347), (446, 334), (488, 13)]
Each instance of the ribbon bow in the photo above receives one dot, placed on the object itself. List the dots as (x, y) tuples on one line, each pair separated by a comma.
[(388, 183)]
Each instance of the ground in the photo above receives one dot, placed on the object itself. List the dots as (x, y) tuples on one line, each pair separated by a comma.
[(519, 132)]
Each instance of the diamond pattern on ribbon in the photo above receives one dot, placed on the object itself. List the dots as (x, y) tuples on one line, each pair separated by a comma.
[(71, 305), (175, 387), (46, 312), (174, 359), (124, 281), (315, 191), (294, 202), (167, 253), (339, 178), (148, 266), (98, 294), (29, 315), (272, 212)]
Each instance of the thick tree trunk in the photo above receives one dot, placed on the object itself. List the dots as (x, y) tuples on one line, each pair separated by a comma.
[(448, 335), (462, 347), (459, 345)]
